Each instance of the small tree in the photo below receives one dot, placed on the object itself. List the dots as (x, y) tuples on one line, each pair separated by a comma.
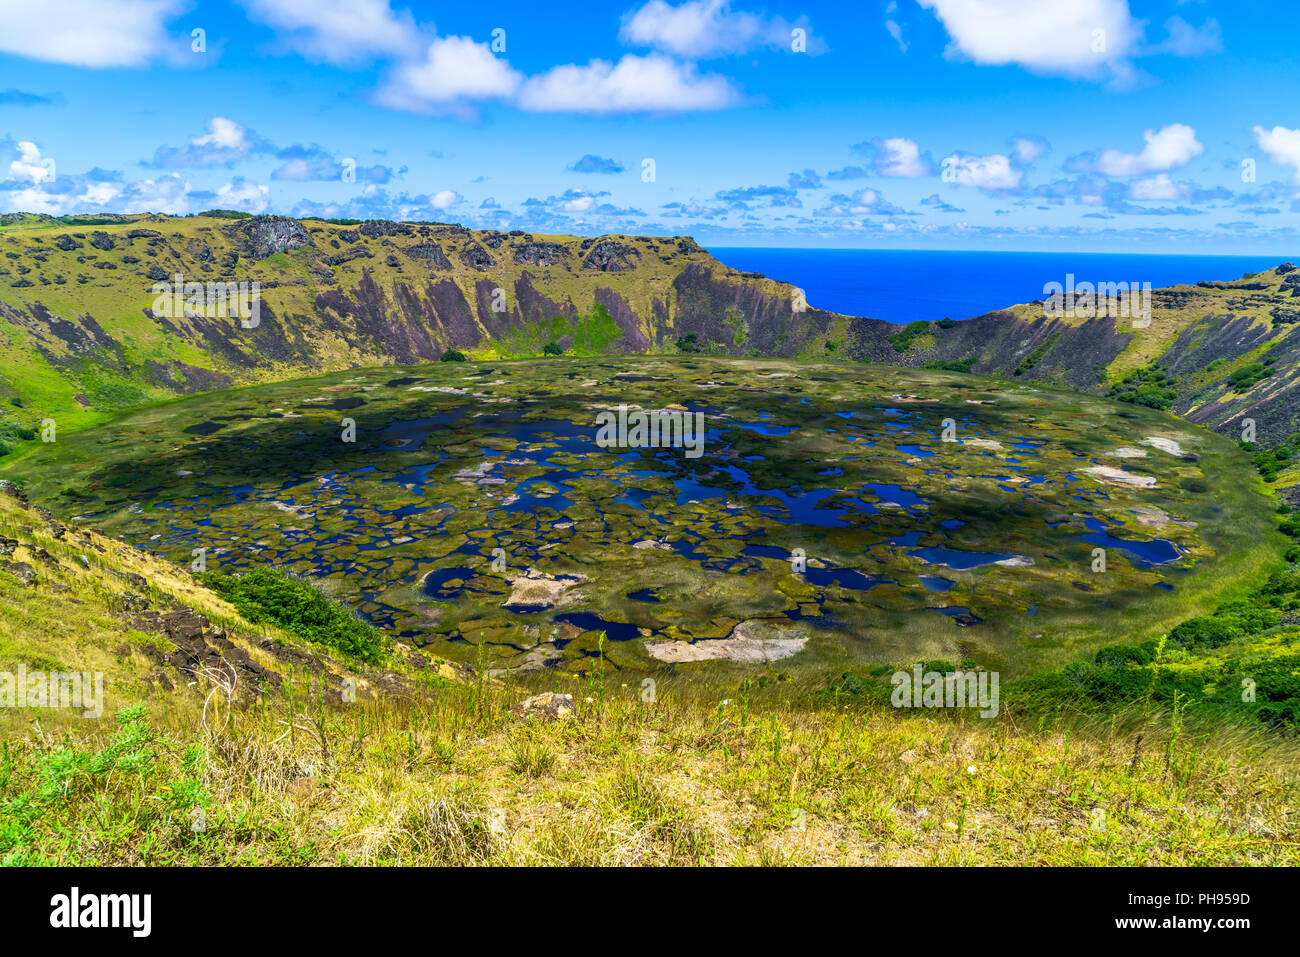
[(552, 349), (452, 355)]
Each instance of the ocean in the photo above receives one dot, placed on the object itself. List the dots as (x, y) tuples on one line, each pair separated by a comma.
[(900, 285)]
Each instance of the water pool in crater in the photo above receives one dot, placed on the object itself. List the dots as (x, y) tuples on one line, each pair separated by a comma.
[(826, 503)]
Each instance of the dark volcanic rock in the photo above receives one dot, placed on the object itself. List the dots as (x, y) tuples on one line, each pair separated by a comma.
[(264, 236), (431, 253), (476, 257), (540, 254), (608, 255), (382, 227)]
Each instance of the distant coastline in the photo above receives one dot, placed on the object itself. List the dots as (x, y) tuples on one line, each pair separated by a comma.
[(904, 285)]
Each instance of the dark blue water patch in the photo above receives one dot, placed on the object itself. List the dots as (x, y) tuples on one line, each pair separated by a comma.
[(960, 560), (895, 494), (962, 616), (917, 450), (936, 583), (1163, 586), (644, 594), (436, 582), (1158, 551), (767, 551), (614, 630), (764, 429), (845, 578), (952, 523), (832, 471), (1033, 610), (906, 540)]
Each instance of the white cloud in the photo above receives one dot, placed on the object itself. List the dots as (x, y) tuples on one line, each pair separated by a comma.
[(1158, 188), (167, 194), (651, 83), (454, 72), (1027, 149), (338, 31), (899, 156), (992, 172), (243, 195), (105, 33), (224, 143), (1281, 144), (1172, 146), (445, 199), (31, 166), (1070, 37), (223, 133), (1187, 40), (891, 25), (703, 28)]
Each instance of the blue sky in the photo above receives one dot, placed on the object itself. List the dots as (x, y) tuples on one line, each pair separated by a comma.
[(1092, 125)]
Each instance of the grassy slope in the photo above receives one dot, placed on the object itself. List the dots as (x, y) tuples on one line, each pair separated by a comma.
[(460, 778)]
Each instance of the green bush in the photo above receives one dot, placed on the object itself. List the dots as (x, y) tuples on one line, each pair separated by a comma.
[(276, 597), (452, 355), (552, 349)]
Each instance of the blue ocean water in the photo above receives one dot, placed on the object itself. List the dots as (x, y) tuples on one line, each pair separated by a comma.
[(900, 285)]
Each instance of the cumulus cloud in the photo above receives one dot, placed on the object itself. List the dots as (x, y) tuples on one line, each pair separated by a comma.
[(1170, 147), (1159, 187), (243, 195), (896, 156), (225, 143), (1281, 144), (454, 73), (993, 173), (705, 28), (107, 33), (1026, 149), (935, 201), (30, 166), (1183, 39), (338, 31), (865, 202), (313, 163), (445, 199), (1070, 37), (651, 84), (595, 164)]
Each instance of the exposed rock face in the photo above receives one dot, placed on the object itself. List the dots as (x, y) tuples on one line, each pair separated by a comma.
[(476, 257), (608, 255), (540, 254), (430, 253), (264, 236)]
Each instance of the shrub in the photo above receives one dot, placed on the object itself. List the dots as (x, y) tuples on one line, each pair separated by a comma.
[(452, 355), (273, 596)]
